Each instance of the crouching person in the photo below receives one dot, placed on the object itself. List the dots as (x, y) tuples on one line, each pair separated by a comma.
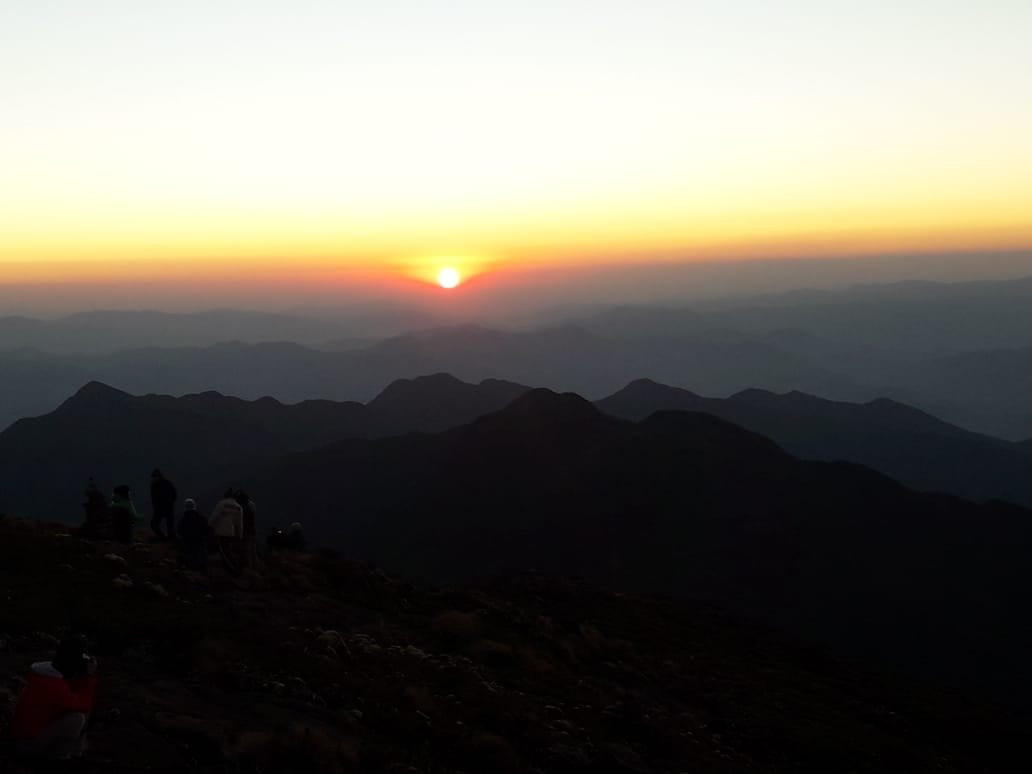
[(50, 718)]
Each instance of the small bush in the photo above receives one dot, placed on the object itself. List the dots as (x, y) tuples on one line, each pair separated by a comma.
[(456, 626)]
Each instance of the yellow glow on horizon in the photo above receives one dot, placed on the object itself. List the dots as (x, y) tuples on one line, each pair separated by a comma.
[(339, 142)]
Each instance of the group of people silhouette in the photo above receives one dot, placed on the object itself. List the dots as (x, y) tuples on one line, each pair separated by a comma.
[(52, 715), (231, 529)]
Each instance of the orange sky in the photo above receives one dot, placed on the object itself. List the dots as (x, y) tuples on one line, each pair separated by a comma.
[(373, 145)]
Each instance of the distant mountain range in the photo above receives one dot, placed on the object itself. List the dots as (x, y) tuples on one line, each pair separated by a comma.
[(678, 502), (204, 438), (105, 332), (898, 440), (961, 352)]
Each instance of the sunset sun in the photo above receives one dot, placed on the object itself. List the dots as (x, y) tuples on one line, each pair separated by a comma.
[(448, 277)]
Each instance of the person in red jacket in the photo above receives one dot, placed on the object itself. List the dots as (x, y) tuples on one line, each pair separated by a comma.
[(50, 718)]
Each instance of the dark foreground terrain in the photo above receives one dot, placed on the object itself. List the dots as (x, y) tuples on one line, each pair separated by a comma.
[(319, 664)]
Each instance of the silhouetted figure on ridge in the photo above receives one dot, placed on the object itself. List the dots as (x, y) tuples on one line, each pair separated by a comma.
[(122, 514), (227, 527), (249, 526), (163, 505), (53, 709), (292, 540), (296, 537), (193, 533), (98, 518)]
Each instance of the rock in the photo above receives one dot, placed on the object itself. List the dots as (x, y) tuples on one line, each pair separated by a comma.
[(156, 589), (415, 652), (332, 644), (123, 581), (570, 757), (330, 637), (43, 640), (625, 759), (116, 560)]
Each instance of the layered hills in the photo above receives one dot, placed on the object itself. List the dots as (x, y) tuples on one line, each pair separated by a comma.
[(898, 440), (959, 351), (682, 502), (205, 438)]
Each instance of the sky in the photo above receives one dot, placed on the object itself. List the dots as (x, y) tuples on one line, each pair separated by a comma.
[(219, 144)]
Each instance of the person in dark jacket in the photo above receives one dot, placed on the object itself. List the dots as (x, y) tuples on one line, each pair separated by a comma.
[(249, 543), (122, 514), (163, 497), (53, 709), (193, 533), (98, 517), (296, 537)]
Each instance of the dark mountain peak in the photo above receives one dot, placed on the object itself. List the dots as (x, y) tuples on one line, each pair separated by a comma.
[(540, 410), (642, 397), (94, 393), (440, 401), (421, 387), (757, 397), (754, 395), (545, 402), (644, 387), (643, 383), (895, 405)]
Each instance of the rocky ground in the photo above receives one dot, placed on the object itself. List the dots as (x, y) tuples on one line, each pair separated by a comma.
[(317, 664)]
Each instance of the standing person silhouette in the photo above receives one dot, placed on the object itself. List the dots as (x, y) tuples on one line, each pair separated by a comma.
[(163, 505), (122, 514), (227, 526), (249, 534)]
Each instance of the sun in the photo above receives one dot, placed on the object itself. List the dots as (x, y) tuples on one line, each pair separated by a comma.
[(448, 277)]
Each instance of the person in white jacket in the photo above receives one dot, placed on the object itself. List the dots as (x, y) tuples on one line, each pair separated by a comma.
[(227, 518), (227, 525)]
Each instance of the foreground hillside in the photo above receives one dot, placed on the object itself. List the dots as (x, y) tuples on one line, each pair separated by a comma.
[(690, 504), (317, 664)]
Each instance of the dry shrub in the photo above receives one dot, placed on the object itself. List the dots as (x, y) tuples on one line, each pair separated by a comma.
[(213, 657), (487, 752), (536, 662), (492, 653), (456, 626), (300, 749), (420, 697)]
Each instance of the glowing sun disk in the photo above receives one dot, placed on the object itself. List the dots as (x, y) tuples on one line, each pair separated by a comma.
[(448, 277)]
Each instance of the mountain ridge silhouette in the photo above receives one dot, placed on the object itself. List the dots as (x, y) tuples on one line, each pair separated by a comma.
[(899, 440)]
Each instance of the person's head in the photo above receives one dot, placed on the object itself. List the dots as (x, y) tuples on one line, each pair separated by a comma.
[(295, 527), (72, 657), (122, 490), (229, 493), (156, 473), (189, 504)]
